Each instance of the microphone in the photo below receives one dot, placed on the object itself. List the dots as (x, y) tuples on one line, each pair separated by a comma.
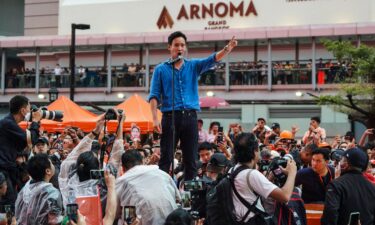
[(179, 57)]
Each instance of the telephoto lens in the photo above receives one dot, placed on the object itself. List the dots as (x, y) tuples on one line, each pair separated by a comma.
[(56, 115)]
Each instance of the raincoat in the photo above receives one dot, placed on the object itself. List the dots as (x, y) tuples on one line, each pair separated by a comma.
[(38, 203)]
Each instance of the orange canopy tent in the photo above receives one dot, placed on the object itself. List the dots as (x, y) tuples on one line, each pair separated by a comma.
[(137, 110), (74, 115)]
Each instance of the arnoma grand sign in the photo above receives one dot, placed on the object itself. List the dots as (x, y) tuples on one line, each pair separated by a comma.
[(218, 13)]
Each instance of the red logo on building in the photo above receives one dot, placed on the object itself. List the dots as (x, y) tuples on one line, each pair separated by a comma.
[(165, 20)]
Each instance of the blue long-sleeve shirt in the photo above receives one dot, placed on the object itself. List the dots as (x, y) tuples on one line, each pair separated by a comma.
[(185, 85)]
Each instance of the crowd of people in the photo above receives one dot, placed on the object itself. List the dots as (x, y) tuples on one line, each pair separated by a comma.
[(245, 175), (133, 75), (56, 170)]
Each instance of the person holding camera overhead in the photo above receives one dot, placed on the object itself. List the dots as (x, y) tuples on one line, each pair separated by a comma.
[(14, 140), (186, 100)]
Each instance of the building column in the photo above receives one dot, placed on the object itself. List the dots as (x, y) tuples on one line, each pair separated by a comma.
[(109, 68), (255, 51), (147, 75), (37, 71), (297, 51), (269, 65), (3, 67), (359, 41), (227, 80), (313, 66)]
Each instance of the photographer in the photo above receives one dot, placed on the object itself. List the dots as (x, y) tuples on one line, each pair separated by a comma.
[(13, 140), (250, 182)]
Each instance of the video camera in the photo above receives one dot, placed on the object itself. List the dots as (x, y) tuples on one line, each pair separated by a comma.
[(196, 198), (274, 167), (49, 115), (111, 114)]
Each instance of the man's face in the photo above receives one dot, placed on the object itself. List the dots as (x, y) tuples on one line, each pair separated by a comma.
[(276, 130), (236, 129), (40, 148), (67, 142), (215, 129), (261, 124), (205, 155), (344, 165), (200, 125), (25, 110), (306, 156), (178, 46), (314, 123), (318, 163)]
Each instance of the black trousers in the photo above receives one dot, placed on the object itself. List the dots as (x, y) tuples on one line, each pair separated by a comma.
[(187, 133)]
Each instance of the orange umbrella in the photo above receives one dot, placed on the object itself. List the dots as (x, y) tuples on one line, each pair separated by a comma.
[(137, 110), (74, 115)]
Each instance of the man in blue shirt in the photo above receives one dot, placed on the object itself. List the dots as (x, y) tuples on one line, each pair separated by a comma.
[(314, 180), (186, 101)]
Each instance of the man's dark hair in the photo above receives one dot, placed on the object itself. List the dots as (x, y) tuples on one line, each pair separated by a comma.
[(205, 146), (261, 119), (174, 35), (214, 123), (310, 147), (316, 118), (37, 165), (86, 162), (324, 151), (179, 216), (245, 146), (131, 158), (16, 103)]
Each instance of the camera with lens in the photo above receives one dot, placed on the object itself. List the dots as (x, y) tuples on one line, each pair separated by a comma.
[(197, 192), (274, 167), (49, 115), (336, 155), (111, 114)]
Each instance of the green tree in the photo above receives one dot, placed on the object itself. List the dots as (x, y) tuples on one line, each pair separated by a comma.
[(356, 95)]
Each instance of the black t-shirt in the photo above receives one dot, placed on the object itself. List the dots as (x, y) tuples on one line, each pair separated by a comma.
[(313, 185)]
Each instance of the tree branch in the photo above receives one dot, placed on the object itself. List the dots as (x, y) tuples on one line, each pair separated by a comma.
[(350, 98)]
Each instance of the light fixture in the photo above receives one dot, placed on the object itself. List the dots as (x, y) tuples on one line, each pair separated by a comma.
[(210, 93), (41, 96), (120, 95), (299, 93)]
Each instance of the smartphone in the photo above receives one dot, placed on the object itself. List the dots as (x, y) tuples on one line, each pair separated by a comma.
[(186, 200), (354, 218), (193, 185), (96, 174), (129, 214), (220, 135), (71, 211)]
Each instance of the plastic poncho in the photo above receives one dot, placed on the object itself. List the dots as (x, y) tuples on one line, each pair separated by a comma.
[(150, 190), (67, 177), (38, 203)]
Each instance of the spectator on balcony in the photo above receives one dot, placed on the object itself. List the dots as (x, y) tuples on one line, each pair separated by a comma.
[(288, 73), (57, 72)]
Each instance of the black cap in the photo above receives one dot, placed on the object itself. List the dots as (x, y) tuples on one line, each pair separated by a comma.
[(42, 140), (219, 160), (275, 125), (357, 158)]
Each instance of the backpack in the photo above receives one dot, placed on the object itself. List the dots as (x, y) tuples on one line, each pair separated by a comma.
[(220, 207), (293, 213)]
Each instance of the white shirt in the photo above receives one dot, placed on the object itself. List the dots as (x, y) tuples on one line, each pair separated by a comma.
[(259, 183)]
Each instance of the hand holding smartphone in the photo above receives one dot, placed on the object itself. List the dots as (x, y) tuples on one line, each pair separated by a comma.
[(354, 218)]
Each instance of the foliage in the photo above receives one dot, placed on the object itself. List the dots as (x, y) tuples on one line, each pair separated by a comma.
[(356, 95)]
